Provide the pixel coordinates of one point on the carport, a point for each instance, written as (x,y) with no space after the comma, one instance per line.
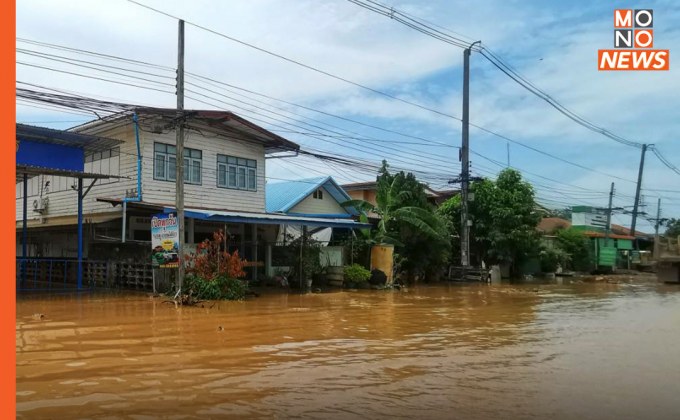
(45,151)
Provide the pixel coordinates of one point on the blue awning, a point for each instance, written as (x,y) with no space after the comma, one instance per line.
(268,218)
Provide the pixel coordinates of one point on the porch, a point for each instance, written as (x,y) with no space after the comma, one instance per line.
(121,259)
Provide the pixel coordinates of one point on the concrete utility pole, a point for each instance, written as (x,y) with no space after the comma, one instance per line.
(508,147)
(637,192)
(465,161)
(656,229)
(179,158)
(609,216)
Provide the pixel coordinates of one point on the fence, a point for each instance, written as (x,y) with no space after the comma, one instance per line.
(51,274)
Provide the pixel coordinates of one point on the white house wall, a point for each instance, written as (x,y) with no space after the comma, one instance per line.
(208,194)
(311,205)
(63,198)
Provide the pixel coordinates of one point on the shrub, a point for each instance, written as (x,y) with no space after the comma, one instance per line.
(211,261)
(202,289)
(220,287)
(213,273)
(552,257)
(356,274)
(233,289)
(579,248)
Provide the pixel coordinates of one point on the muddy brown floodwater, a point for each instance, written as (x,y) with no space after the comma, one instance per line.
(600,351)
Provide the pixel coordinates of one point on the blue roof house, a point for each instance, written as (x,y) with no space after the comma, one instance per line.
(314,197)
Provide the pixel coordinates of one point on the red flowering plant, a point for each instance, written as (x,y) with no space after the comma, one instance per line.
(214,273)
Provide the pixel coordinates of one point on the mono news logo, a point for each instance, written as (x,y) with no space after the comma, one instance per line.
(633,43)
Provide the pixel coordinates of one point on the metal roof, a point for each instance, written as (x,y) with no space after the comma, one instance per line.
(267,218)
(32,171)
(246,217)
(220,123)
(87,142)
(283,196)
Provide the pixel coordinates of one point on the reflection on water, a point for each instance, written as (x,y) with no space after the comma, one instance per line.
(459,351)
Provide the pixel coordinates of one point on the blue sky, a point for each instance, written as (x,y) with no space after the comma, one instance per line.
(554,44)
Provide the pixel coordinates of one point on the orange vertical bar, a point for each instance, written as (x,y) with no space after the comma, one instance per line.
(7,215)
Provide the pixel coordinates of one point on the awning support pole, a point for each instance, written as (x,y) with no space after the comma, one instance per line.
(24,231)
(255,257)
(80,233)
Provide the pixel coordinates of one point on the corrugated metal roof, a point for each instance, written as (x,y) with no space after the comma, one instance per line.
(32,171)
(267,219)
(88,143)
(220,123)
(283,196)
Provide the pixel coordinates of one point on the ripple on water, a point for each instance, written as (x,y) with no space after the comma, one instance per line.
(76,364)
(437,352)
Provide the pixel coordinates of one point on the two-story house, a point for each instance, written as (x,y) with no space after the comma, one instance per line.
(224,187)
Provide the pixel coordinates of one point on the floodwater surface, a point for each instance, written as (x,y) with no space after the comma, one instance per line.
(600,351)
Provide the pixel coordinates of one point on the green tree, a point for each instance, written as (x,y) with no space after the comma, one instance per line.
(449,212)
(673,228)
(407,221)
(578,247)
(503,218)
(400,199)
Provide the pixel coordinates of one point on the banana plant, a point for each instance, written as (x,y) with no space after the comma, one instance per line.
(388,199)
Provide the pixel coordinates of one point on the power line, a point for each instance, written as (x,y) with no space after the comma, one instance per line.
(94,54)
(318,134)
(404,19)
(91,77)
(663,160)
(290,60)
(493,133)
(69,60)
(516,77)
(496,61)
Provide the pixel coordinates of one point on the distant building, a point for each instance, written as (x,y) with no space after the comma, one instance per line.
(613,248)
(367,191)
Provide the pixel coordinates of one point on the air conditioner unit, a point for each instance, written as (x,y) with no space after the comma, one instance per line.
(40,205)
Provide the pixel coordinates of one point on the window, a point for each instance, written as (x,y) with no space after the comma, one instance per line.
(105,162)
(318,194)
(165,163)
(236,173)
(192,166)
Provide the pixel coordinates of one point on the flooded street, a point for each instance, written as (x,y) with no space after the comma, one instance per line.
(446,351)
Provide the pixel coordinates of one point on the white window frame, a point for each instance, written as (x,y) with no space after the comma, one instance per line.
(161,154)
(237,173)
(192,158)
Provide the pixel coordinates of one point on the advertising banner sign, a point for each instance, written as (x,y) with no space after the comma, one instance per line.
(165,240)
